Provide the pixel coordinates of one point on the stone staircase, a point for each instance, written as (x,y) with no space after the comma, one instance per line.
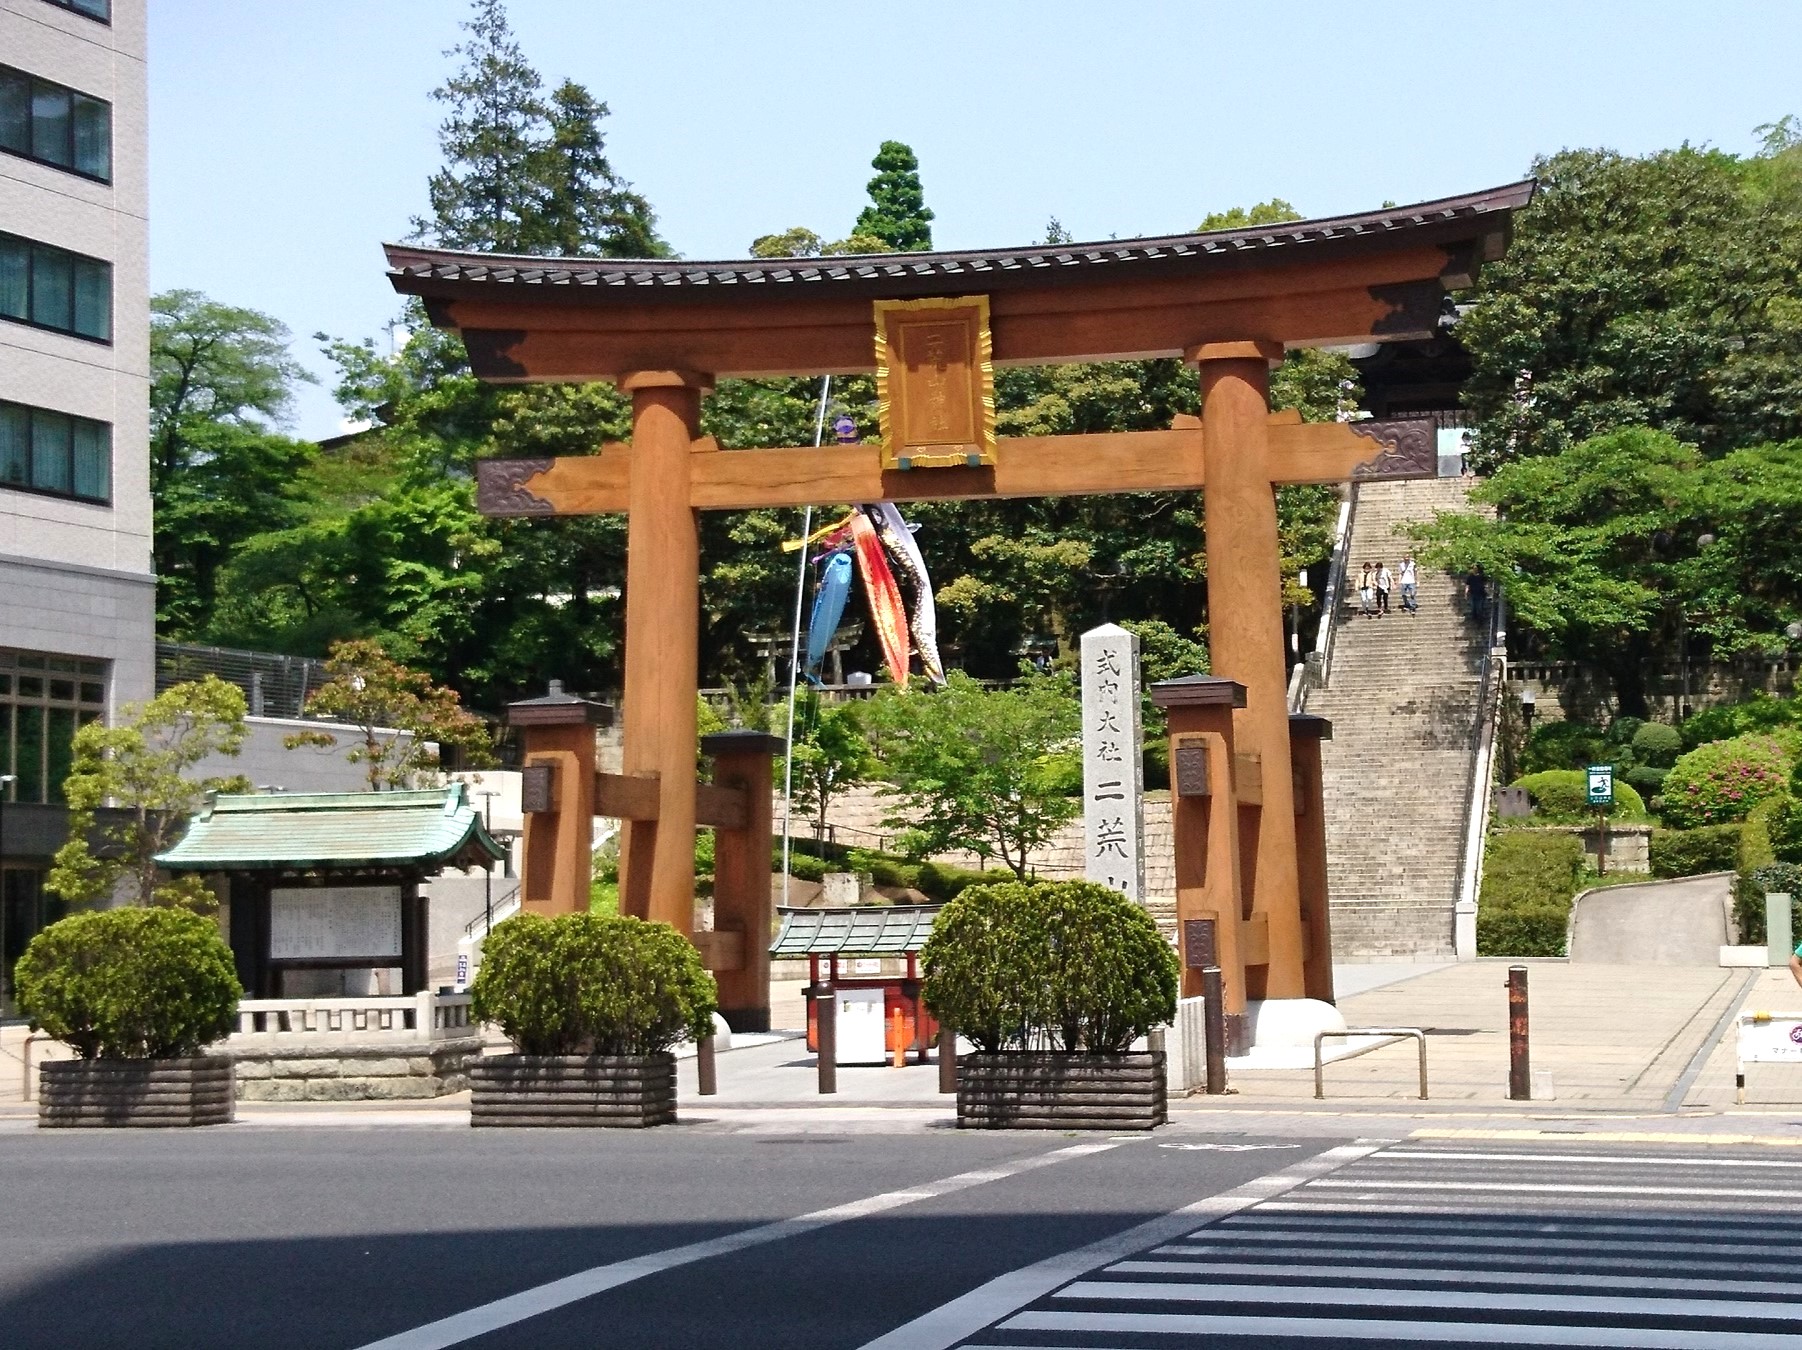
(1403,695)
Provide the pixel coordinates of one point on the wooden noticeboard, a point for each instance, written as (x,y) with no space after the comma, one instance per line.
(335,923)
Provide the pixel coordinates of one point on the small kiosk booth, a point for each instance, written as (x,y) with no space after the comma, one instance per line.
(330,880)
(878,1016)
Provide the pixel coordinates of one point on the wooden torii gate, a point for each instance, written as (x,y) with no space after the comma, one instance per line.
(931,325)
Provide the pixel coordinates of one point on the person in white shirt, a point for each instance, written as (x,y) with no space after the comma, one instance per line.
(1410,585)
(1385,583)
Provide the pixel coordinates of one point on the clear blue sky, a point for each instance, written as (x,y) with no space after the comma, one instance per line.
(288,140)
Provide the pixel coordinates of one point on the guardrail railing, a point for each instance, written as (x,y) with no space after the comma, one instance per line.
(1391,1035)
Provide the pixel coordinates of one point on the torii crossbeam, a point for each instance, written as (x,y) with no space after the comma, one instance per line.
(1229,302)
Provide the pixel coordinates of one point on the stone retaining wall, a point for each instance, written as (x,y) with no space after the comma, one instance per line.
(373,1071)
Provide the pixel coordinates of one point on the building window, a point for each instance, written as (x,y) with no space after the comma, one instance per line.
(52,452)
(55,125)
(50,287)
(26,909)
(93,9)
(43,700)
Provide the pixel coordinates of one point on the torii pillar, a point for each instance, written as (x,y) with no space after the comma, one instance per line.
(663,613)
(1245,636)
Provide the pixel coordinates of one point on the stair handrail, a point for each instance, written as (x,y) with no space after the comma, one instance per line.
(1321,659)
(503,907)
(1478,806)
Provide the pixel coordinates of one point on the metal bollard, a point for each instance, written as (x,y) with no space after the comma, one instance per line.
(1214,1017)
(1520,1077)
(947,1059)
(825,1003)
(708,1080)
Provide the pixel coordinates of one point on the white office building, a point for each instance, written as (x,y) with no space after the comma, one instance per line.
(77,595)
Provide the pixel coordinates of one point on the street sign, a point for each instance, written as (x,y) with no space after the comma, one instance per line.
(1601,784)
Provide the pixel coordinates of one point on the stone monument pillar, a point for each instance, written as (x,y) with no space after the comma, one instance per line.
(1113,775)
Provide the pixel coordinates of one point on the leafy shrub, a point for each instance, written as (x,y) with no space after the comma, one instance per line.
(1657,745)
(1689,853)
(942,881)
(1529,878)
(130,983)
(1622,730)
(1065,965)
(589,984)
(1782,817)
(1749,892)
(1759,713)
(1723,780)
(884,870)
(1561,797)
(1646,780)
(803,866)
(1561,745)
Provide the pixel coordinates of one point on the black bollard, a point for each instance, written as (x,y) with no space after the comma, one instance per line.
(708,1082)
(1213,1014)
(1520,1077)
(825,1003)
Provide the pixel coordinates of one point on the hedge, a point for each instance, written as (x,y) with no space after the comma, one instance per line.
(1722,781)
(1529,879)
(1749,891)
(1063,965)
(1688,853)
(589,984)
(130,983)
(1561,797)
(1656,745)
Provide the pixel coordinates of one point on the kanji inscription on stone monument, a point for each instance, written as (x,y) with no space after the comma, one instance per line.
(1113,781)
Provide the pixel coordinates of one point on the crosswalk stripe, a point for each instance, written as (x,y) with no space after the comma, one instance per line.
(1563,1188)
(1600,1159)
(1296,1251)
(1420,1275)
(1454,1300)
(1560,1244)
(1359,1329)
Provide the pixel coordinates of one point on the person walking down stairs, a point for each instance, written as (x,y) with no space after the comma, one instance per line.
(1385,584)
(1367,593)
(1410,578)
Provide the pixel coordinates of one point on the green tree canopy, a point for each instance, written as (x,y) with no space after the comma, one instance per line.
(1658,291)
(141,766)
(897,213)
(979,770)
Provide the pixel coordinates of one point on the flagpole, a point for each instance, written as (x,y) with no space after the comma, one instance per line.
(794,647)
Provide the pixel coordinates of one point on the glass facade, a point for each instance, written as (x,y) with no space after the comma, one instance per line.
(26,908)
(52,452)
(55,125)
(43,700)
(50,287)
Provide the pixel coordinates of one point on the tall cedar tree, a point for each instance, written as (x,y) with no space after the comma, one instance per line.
(897,213)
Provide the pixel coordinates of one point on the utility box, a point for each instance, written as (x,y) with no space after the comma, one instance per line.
(862,1026)
(1779,938)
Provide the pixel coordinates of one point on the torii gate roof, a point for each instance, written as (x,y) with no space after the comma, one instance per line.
(1376,275)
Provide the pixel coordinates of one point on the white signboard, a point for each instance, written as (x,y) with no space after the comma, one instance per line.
(322,922)
(1113,779)
(1770,1038)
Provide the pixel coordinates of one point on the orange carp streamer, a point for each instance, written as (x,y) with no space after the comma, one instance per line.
(884,596)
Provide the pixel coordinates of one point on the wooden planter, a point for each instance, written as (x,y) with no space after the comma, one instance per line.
(616,1091)
(1047,1090)
(141,1092)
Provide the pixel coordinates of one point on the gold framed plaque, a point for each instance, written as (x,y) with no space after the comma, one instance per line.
(935,382)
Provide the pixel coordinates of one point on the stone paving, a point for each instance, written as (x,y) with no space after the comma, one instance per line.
(1639,1052)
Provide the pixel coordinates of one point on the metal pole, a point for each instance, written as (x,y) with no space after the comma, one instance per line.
(1213,1011)
(707,1080)
(825,1004)
(794,646)
(6,782)
(947,1059)
(1520,1077)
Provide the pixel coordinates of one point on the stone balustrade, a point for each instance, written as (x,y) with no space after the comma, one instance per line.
(353,1049)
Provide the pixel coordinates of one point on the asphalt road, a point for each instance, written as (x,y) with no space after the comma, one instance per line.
(416,1238)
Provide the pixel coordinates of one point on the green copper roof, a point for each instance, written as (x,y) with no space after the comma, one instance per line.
(893,930)
(334,830)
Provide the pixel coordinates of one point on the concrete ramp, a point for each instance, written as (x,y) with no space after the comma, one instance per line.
(1653,923)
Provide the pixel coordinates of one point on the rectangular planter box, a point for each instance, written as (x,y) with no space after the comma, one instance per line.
(136,1092)
(1043,1090)
(621,1092)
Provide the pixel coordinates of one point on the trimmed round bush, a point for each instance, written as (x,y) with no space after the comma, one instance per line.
(1065,965)
(1657,745)
(1561,797)
(593,984)
(1646,780)
(1722,781)
(130,983)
